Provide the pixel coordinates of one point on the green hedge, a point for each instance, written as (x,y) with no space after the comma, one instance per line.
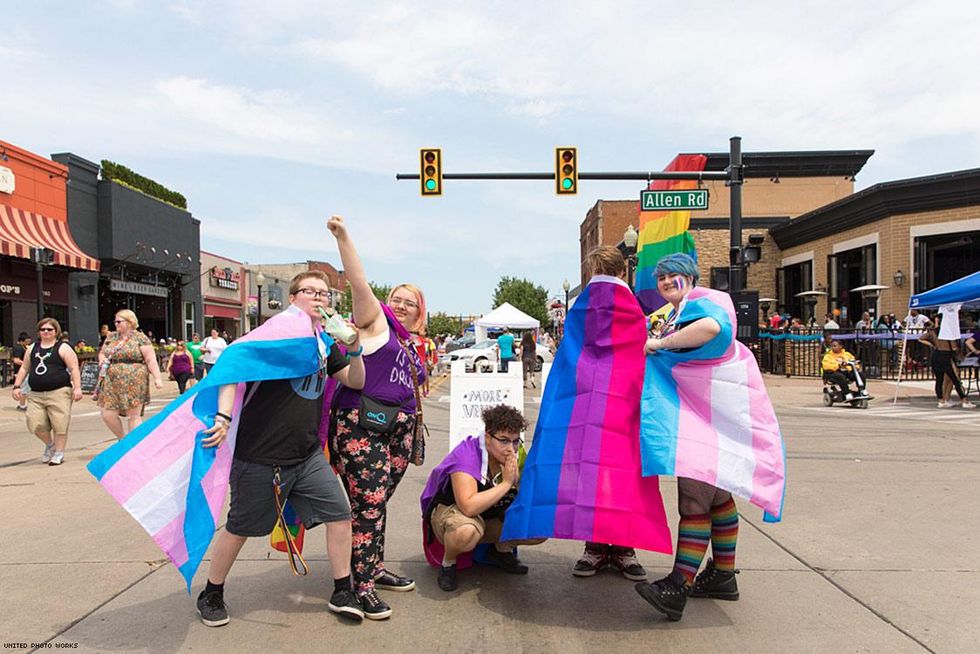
(126,176)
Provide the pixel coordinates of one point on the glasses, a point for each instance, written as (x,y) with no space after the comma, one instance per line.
(516,443)
(312,292)
(119,321)
(46,329)
(408,304)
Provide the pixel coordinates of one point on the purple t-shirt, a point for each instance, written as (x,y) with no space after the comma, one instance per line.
(388,377)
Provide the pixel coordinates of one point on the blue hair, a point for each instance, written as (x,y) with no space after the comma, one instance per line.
(678,264)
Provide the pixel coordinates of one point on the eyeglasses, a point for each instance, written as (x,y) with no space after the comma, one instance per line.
(312,292)
(408,304)
(46,329)
(516,443)
(119,320)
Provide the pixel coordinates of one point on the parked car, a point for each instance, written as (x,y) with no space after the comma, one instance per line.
(472,356)
(467,340)
(489,352)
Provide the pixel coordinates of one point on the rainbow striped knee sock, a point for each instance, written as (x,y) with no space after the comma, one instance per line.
(724,534)
(693,535)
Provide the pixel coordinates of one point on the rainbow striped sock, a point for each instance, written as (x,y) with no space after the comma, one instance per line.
(693,535)
(724,534)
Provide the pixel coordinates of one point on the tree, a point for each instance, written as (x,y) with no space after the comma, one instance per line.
(523,294)
(440,323)
(381,292)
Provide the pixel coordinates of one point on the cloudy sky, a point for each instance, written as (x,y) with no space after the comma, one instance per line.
(270,116)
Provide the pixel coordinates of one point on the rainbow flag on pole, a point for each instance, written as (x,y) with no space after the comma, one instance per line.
(664,232)
(582,479)
(161,474)
(706,413)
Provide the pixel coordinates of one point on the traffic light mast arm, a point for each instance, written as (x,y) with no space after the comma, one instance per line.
(608,176)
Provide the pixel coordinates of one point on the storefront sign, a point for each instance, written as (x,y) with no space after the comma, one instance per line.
(9,289)
(6,180)
(137,288)
(225,278)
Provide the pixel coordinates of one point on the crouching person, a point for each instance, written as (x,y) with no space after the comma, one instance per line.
(465,499)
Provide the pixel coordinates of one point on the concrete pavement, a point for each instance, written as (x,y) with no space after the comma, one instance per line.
(876,554)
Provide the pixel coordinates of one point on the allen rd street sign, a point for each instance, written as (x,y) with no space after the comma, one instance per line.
(696,199)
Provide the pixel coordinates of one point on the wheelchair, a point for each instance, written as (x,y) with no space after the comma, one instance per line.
(857,397)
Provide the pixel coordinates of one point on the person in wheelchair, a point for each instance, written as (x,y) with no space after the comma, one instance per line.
(840,368)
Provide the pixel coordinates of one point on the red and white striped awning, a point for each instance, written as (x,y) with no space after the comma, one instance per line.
(22,230)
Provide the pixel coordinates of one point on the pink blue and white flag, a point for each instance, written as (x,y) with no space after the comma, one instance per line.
(582,479)
(161,474)
(706,414)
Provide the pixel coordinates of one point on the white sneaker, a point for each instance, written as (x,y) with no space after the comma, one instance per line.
(48,451)
(946,405)
(57,459)
(966,404)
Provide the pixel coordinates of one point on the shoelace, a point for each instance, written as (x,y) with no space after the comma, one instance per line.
(372,598)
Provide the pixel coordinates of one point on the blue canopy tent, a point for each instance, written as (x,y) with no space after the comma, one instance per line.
(965,291)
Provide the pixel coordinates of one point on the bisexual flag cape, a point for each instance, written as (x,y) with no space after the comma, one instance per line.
(706,413)
(162,475)
(582,480)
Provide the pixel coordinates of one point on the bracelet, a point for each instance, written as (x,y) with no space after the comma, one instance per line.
(219,414)
(356,353)
(16,388)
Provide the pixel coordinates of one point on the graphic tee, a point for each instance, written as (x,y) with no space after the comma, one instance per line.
(195,350)
(280,422)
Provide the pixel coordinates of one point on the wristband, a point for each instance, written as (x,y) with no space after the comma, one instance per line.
(219,414)
(357,352)
(16,388)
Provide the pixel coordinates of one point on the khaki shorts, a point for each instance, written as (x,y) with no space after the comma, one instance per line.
(449,518)
(49,410)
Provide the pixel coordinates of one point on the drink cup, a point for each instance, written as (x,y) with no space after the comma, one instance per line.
(338,328)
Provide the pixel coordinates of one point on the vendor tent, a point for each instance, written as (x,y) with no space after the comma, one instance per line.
(506,315)
(965,290)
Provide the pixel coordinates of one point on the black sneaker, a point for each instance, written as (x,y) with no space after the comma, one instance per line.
(211,606)
(626,562)
(447,578)
(506,561)
(591,562)
(716,584)
(390,581)
(667,595)
(374,607)
(344,602)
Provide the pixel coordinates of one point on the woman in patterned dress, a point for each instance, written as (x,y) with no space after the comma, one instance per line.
(126,362)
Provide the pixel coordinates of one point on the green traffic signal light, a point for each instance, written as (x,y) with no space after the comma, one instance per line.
(566,183)
(430,184)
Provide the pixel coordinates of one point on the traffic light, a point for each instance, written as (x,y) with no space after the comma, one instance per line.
(431,167)
(566,171)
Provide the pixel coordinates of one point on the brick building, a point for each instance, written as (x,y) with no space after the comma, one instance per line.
(909,235)
(275,291)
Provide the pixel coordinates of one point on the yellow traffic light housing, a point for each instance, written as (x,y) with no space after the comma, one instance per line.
(431,171)
(566,171)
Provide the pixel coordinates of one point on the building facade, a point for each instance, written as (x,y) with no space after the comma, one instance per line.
(33,216)
(149,251)
(223,292)
(274,292)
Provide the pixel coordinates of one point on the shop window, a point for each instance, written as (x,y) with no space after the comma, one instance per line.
(943,258)
(188,320)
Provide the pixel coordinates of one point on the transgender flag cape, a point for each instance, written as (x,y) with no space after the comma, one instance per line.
(706,414)
(582,477)
(161,474)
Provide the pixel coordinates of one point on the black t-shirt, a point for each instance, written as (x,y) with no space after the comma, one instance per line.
(18,351)
(280,423)
(47,370)
(448,497)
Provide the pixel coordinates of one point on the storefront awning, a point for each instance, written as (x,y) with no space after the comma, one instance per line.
(218,311)
(22,230)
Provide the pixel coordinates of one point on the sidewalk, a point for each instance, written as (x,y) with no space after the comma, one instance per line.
(875,555)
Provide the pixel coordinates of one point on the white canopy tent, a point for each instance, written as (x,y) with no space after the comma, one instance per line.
(506,315)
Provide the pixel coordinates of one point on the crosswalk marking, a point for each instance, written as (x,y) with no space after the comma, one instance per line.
(904,412)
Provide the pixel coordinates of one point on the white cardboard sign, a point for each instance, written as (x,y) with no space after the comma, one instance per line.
(472,392)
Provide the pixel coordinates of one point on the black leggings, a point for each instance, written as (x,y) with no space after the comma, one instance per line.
(182,378)
(942,367)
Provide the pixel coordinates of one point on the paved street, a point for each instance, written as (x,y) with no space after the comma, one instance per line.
(876,554)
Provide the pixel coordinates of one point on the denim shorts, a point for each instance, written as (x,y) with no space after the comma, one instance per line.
(311,487)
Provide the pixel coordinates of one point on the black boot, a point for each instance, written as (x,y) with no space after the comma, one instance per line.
(667,595)
(716,584)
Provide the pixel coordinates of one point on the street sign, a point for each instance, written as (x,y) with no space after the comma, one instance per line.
(696,199)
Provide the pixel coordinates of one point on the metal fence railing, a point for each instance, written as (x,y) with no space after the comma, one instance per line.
(799,352)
